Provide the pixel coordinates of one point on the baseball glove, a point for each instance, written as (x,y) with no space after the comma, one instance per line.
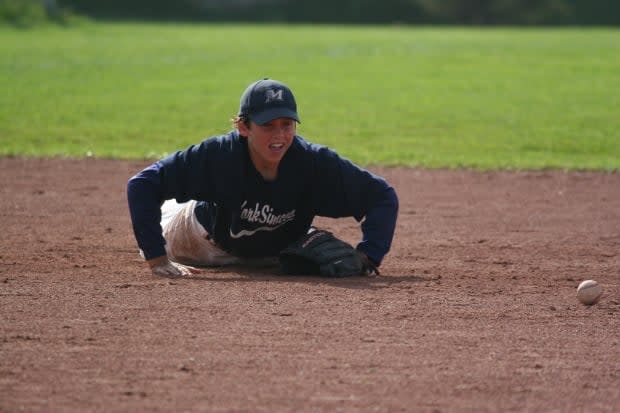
(321,253)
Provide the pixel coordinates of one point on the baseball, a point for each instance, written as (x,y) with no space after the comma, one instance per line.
(589,292)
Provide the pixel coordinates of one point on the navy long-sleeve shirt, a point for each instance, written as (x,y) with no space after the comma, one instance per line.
(251,217)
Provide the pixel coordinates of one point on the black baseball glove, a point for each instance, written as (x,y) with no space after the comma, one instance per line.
(321,253)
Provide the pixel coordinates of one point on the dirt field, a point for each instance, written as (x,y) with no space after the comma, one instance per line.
(475,310)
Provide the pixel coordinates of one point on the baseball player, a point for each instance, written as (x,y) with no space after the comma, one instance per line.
(242,197)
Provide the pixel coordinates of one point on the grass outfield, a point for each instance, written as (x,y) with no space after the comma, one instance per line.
(433,97)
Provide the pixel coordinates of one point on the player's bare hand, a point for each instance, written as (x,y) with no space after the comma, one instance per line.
(163,267)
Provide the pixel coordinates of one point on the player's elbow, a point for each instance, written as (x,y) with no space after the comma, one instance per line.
(134,186)
(391,200)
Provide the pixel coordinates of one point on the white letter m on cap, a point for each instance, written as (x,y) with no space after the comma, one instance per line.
(272,95)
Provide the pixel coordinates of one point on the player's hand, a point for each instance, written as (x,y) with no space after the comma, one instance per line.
(163,267)
(369,267)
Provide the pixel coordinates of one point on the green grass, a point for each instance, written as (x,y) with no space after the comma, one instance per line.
(433,97)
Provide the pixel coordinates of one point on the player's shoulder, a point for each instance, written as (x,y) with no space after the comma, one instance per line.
(314,150)
(229,142)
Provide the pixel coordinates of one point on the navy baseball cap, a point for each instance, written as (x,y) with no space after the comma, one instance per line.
(266,100)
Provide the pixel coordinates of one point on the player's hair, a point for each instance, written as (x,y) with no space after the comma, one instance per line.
(240,119)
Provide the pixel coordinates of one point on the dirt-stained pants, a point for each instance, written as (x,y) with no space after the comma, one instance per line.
(187,241)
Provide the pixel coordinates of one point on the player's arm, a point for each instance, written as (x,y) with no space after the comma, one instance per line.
(344,189)
(379,224)
(180,176)
(144,194)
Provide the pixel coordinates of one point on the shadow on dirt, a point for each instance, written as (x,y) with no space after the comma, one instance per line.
(237,275)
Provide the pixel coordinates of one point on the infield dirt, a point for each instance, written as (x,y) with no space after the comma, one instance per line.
(475,310)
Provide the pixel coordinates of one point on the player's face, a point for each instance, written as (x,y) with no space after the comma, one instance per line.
(269,142)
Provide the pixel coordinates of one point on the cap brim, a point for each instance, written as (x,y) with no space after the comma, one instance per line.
(274,113)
